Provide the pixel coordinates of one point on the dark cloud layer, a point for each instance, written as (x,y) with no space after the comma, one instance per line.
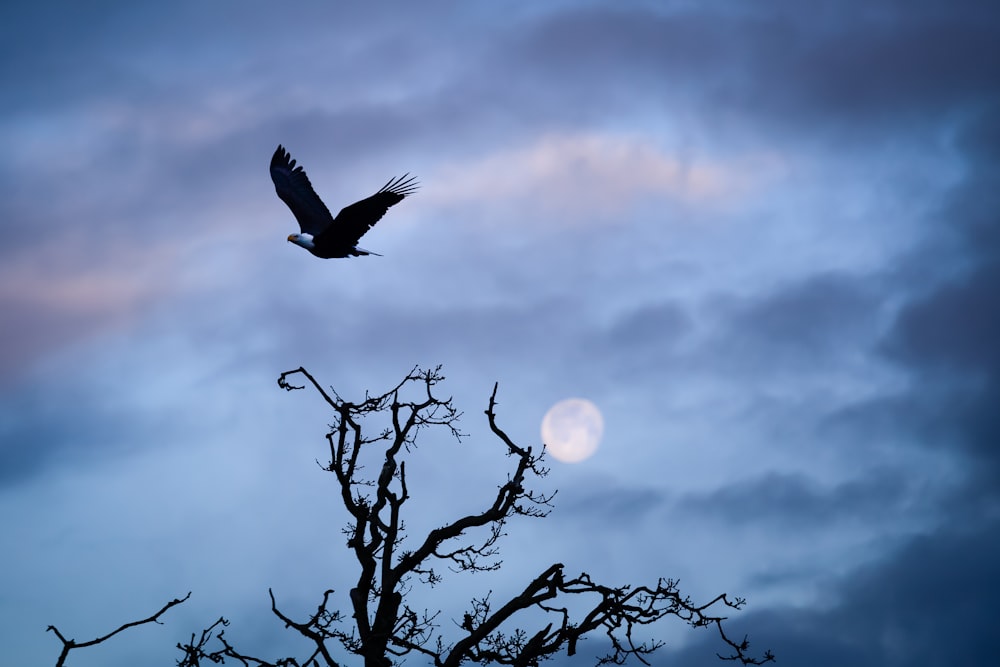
(927,604)
(798,503)
(802,323)
(948,337)
(859,71)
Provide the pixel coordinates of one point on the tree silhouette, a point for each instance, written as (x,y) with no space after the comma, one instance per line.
(382,628)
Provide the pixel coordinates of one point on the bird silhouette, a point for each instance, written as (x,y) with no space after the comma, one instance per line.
(322,234)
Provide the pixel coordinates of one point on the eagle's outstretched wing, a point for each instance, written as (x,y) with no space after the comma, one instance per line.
(294,188)
(355,220)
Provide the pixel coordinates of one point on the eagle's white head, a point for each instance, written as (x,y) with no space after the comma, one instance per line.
(303,240)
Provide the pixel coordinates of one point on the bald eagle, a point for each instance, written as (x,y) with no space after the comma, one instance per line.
(322,234)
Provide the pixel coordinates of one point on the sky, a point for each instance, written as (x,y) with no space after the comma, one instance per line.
(763,239)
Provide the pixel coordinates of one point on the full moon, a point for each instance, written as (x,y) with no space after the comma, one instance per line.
(572,429)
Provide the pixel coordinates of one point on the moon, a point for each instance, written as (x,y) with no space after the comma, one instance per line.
(572,429)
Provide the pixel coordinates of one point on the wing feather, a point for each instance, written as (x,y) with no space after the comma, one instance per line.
(294,188)
(355,220)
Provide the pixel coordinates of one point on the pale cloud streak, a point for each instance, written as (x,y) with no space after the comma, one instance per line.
(598,174)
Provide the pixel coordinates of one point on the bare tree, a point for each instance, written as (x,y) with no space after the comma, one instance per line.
(383,629)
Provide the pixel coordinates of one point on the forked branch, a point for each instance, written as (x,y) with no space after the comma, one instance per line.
(71,644)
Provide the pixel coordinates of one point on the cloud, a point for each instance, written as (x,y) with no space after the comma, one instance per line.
(797,502)
(955,328)
(946,338)
(593,174)
(656,326)
(815,75)
(57,294)
(926,604)
(925,601)
(825,317)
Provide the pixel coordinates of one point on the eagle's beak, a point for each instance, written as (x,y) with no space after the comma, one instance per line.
(291,237)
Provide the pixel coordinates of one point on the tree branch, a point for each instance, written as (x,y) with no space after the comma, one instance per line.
(70,644)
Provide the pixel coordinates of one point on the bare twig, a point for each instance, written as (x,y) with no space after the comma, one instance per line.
(70,644)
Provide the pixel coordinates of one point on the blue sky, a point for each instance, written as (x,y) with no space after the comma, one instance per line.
(762,238)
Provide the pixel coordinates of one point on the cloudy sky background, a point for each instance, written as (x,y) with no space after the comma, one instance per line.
(763,239)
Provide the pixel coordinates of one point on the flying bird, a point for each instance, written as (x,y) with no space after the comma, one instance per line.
(321,233)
